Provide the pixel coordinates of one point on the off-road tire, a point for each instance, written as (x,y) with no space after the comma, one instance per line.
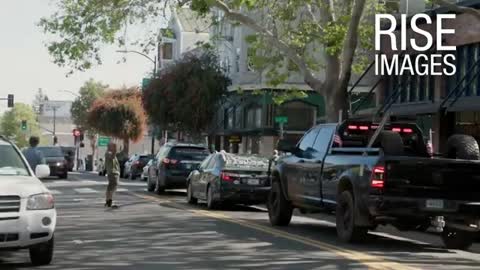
(347,231)
(280,210)
(462,147)
(391,143)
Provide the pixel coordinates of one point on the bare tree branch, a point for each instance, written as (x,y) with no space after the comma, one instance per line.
(274,41)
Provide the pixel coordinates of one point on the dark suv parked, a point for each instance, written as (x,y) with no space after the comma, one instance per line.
(173,164)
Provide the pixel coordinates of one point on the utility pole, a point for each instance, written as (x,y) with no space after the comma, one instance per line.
(154,61)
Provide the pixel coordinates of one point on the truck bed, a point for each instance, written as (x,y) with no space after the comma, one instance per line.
(449,179)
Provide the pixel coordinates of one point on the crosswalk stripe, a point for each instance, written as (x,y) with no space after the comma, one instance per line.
(122,190)
(85,190)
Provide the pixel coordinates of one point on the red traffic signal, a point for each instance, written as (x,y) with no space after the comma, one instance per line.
(77,133)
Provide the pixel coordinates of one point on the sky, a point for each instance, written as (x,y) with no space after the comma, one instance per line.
(26,66)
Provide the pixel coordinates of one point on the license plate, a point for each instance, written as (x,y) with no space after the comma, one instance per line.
(434,204)
(253,182)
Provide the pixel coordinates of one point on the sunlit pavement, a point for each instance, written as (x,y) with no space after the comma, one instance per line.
(163,232)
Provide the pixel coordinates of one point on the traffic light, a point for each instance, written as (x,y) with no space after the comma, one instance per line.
(24,125)
(10,101)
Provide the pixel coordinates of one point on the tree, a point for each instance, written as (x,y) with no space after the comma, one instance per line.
(186,95)
(119,114)
(89,92)
(11,124)
(319,39)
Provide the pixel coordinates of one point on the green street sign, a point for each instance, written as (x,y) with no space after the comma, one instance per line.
(281,119)
(103,141)
(145,83)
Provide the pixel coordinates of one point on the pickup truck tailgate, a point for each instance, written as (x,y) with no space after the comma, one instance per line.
(432,178)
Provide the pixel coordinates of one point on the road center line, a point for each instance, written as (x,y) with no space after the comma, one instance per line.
(373,262)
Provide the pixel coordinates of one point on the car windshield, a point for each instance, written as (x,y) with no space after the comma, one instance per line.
(189,153)
(51,151)
(11,162)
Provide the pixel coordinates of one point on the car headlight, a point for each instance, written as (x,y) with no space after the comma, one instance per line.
(59,164)
(40,201)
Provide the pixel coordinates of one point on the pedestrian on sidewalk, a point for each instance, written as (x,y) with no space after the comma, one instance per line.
(113,173)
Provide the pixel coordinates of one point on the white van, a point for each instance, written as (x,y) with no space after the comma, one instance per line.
(27,212)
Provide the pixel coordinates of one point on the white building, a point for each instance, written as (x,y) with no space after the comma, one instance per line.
(185,31)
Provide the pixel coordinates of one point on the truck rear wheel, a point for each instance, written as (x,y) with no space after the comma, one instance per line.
(280,210)
(391,143)
(463,147)
(345,219)
(457,239)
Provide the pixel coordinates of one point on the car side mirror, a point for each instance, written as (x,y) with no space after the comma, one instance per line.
(286,146)
(42,171)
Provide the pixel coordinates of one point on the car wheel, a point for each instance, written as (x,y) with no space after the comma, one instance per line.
(211,203)
(42,254)
(190,198)
(64,176)
(280,210)
(457,239)
(345,219)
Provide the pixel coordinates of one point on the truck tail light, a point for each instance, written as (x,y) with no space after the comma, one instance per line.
(378,177)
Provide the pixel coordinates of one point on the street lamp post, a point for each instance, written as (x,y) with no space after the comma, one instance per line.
(154,61)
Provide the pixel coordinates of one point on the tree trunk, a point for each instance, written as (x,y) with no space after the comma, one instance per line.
(336,101)
(126,146)
(93,145)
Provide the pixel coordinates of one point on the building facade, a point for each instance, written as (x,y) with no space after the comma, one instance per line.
(441,105)
(185,31)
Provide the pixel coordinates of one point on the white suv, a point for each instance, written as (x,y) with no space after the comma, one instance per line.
(27,213)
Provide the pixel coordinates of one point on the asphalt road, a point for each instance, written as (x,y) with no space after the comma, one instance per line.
(164,232)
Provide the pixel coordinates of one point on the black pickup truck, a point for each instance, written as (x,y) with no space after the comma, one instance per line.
(394,181)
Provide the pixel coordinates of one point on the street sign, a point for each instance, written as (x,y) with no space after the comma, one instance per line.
(281,119)
(145,83)
(103,141)
(235,139)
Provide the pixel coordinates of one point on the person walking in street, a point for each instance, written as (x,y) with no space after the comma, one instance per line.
(33,155)
(113,173)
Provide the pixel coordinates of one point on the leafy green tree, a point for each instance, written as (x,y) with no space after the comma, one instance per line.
(186,95)
(12,122)
(317,39)
(89,92)
(119,114)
